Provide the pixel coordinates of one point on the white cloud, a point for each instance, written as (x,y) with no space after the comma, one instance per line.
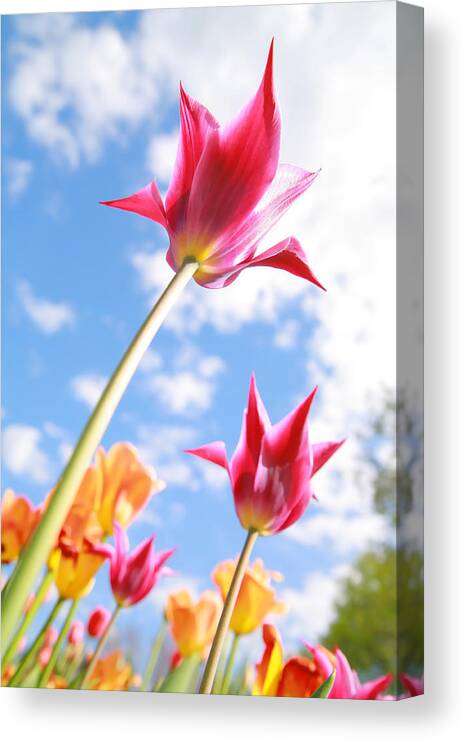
(151,361)
(161,156)
(311,606)
(87,388)
(286,334)
(48,316)
(340,533)
(23,454)
(259,295)
(162,446)
(18,175)
(189,387)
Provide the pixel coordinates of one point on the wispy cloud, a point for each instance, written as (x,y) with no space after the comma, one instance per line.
(161,155)
(18,175)
(23,454)
(88,387)
(50,317)
(311,605)
(188,387)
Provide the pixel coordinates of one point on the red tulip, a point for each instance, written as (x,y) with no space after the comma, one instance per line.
(98,621)
(346,683)
(132,575)
(227,191)
(271,468)
(76,633)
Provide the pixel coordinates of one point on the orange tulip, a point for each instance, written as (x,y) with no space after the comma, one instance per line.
(82,521)
(111,673)
(192,624)
(19,518)
(299,677)
(126,486)
(256,596)
(58,682)
(72,561)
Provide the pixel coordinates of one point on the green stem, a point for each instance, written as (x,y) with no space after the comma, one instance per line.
(154,655)
(50,666)
(99,648)
(45,535)
(225,619)
(219,677)
(32,651)
(230,665)
(74,663)
(28,618)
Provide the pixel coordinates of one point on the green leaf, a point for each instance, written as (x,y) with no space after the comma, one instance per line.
(325,688)
(182,679)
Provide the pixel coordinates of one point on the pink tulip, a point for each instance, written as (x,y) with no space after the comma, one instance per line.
(227,191)
(346,683)
(271,468)
(132,575)
(98,621)
(51,635)
(44,655)
(76,633)
(415,686)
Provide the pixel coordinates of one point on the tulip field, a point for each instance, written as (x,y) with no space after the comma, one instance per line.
(75,570)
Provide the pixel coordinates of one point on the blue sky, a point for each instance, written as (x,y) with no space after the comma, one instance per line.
(90,112)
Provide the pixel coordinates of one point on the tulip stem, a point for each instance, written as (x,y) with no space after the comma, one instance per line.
(230,665)
(35,646)
(154,655)
(50,666)
(99,648)
(28,618)
(36,552)
(225,618)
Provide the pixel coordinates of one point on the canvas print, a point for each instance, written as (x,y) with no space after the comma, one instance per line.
(212,438)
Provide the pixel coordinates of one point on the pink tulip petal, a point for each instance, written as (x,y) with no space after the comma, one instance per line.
(415,686)
(255,423)
(214,452)
(237,165)
(371,690)
(104,550)
(196,124)
(322,659)
(296,512)
(344,683)
(283,441)
(146,202)
(322,452)
(287,255)
(289,183)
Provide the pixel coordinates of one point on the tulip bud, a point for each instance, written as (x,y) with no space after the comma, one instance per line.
(98,621)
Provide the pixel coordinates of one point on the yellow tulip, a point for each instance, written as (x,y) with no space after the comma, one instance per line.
(19,518)
(192,624)
(74,570)
(126,486)
(256,597)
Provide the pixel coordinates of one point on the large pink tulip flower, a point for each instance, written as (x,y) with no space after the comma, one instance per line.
(132,574)
(271,468)
(227,190)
